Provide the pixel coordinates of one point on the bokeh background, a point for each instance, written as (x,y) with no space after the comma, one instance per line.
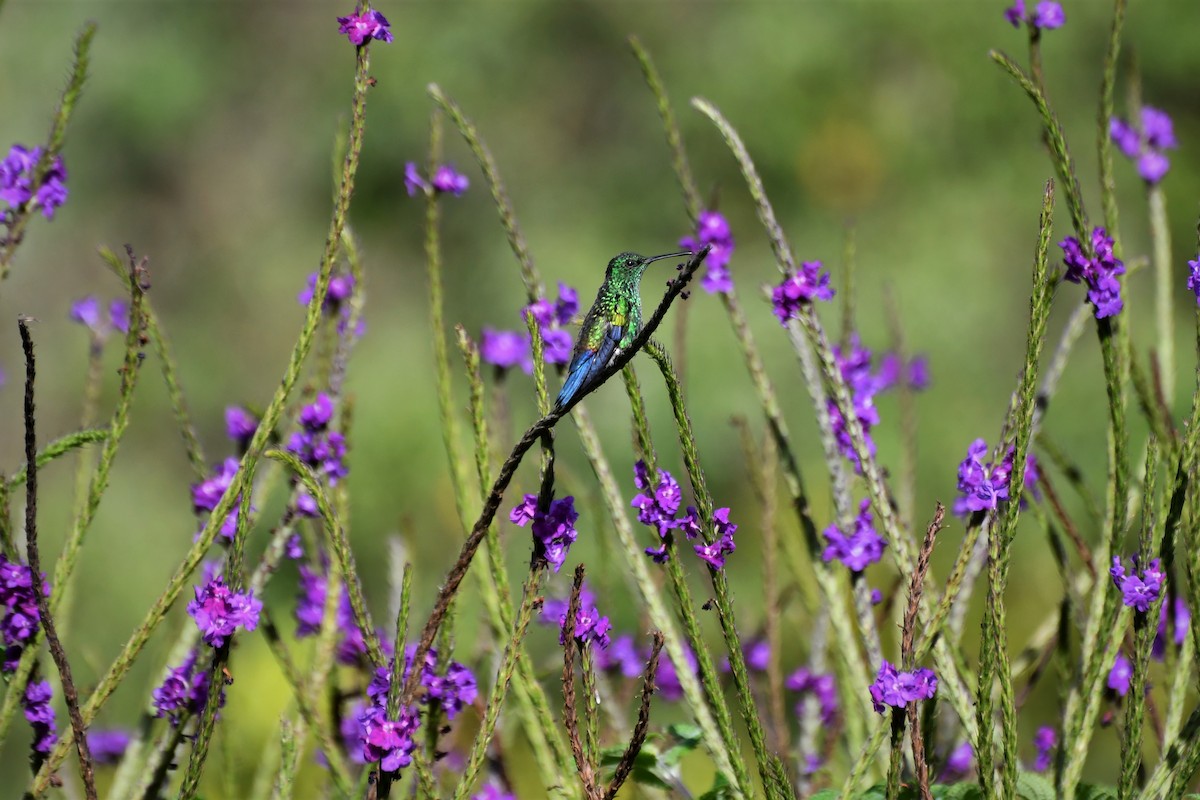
(204,138)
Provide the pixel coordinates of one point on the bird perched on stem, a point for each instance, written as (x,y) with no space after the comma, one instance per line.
(610,325)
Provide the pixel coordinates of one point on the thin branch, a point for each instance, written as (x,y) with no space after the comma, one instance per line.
(625,765)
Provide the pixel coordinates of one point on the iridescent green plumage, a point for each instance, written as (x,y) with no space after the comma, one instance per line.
(611,323)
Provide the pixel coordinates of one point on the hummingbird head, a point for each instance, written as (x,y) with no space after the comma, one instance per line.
(632,265)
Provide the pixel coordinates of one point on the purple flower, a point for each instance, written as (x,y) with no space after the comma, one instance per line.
(320,448)
(240,425)
(983,485)
(19,618)
(1146,146)
(1178,623)
(493,792)
(713,229)
(310,604)
(447,180)
(549,317)
(454,691)
(567,305)
(821,686)
(108,746)
(1046,16)
(621,656)
(341,288)
(1098,272)
(40,715)
(915,373)
(388,741)
(715,552)
(650,502)
(1138,591)
(898,689)
(183,691)
(1193,281)
(361,28)
(207,494)
(959,763)
(799,289)
(86,312)
(554,609)
(1045,740)
(876,597)
(590,627)
(413,180)
(118,314)
(667,677)
(218,611)
(553,532)
(1119,675)
(505,349)
(16,181)
(860,547)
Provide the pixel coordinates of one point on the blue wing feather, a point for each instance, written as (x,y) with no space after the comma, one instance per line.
(587,364)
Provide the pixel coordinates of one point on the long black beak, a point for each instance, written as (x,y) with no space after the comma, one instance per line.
(687,253)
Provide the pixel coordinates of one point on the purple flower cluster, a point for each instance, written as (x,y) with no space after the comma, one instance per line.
(715,552)
(821,686)
(1139,588)
(1193,280)
(40,714)
(854,362)
(1145,145)
(1045,740)
(493,792)
(756,652)
(108,746)
(387,741)
(183,691)
(310,610)
(505,349)
(897,689)
(19,617)
(590,626)
(207,494)
(1099,272)
(336,302)
(87,313)
(219,611)
(361,28)
(445,181)
(892,370)
(713,229)
(16,182)
(453,691)
(629,660)
(658,507)
(959,763)
(316,445)
(240,425)
(800,289)
(983,486)
(553,532)
(1120,674)
(1047,15)
(860,547)
(1171,627)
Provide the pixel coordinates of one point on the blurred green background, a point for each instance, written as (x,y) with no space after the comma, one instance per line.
(204,138)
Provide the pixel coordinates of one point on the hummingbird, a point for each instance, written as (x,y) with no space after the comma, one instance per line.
(611,324)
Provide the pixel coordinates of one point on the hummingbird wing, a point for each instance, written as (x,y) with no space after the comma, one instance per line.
(592,354)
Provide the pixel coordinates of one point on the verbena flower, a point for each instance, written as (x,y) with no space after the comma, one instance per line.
(713,229)
(799,289)
(590,628)
(86,311)
(822,686)
(448,181)
(1193,280)
(388,741)
(1145,145)
(854,363)
(1047,15)
(959,763)
(892,371)
(19,618)
(108,746)
(982,485)
(1045,740)
(667,678)
(337,300)
(859,547)
(493,792)
(897,689)
(361,27)
(310,612)
(183,691)
(553,532)
(240,425)
(622,656)
(454,691)
(1098,272)
(550,317)
(40,715)
(716,552)
(16,182)
(207,494)
(316,445)
(219,611)
(1171,627)
(505,349)
(1139,588)
(1119,675)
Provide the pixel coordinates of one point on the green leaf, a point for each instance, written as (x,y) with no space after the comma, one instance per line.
(721,790)
(686,734)
(1031,786)
(1091,791)
(957,791)
(826,794)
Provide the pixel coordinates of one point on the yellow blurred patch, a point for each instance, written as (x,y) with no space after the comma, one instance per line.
(840,166)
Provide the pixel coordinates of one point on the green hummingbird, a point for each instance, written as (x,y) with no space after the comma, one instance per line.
(610,325)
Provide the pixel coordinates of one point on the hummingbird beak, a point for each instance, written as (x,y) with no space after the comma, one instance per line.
(687,253)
